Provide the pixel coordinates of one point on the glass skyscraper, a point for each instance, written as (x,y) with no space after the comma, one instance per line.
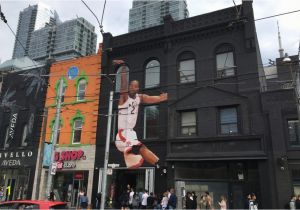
(30,19)
(148,13)
(72,38)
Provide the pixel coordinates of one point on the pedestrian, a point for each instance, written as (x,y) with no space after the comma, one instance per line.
(144,199)
(297,202)
(172,203)
(135,201)
(208,200)
(150,201)
(164,200)
(81,193)
(189,201)
(98,200)
(222,203)
(124,199)
(194,200)
(140,197)
(248,198)
(1,193)
(253,204)
(202,202)
(52,196)
(83,201)
(131,194)
(293,202)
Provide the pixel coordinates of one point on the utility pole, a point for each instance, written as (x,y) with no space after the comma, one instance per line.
(106,155)
(41,155)
(55,135)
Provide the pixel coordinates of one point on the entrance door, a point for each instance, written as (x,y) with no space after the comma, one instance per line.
(10,188)
(237,197)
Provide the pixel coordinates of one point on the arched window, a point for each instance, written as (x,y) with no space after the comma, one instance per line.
(225,61)
(186,67)
(118,77)
(152,74)
(81,88)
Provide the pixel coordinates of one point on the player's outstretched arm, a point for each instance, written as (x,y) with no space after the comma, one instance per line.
(124,82)
(146,99)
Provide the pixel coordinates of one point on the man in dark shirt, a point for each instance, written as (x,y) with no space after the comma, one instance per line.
(172,200)
(150,201)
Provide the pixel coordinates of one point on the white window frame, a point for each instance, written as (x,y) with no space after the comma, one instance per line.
(183,78)
(81,82)
(75,129)
(152,68)
(190,126)
(145,122)
(224,70)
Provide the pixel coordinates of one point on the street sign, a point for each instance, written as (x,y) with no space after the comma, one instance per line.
(53,168)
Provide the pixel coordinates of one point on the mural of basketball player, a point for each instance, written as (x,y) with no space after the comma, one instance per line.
(134,151)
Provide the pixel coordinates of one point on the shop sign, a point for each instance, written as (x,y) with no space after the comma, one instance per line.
(15,158)
(78,176)
(12,125)
(66,159)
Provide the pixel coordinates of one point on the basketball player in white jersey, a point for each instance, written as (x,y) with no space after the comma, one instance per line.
(135,152)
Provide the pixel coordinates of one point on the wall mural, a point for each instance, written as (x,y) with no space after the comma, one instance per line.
(127,142)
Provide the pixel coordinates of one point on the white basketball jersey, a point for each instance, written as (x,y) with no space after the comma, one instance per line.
(128,113)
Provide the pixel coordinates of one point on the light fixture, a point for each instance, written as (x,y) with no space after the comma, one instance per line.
(286,58)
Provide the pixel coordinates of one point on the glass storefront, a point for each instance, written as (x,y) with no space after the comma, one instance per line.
(15,183)
(230,179)
(67,185)
(117,181)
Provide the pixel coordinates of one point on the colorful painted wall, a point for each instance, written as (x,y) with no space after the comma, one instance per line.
(80,101)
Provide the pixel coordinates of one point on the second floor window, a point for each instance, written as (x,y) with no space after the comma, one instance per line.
(151,122)
(187,71)
(152,74)
(81,90)
(225,61)
(77,129)
(228,120)
(293,132)
(188,123)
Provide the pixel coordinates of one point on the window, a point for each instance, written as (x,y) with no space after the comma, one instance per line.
(6,143)
(151,122)
(228,120)
(293,132)
(118,78)
(225,61)
(24,136)
(188,123)
(81,90)
(77,128)
(187,71)
(152,74)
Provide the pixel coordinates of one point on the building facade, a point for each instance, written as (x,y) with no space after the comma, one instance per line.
(145,13)
(22,101)
(75,148)
(30,19)
(210,134)
(279,103)
(70,39)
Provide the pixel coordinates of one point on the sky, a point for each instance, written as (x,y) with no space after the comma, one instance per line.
(117,13)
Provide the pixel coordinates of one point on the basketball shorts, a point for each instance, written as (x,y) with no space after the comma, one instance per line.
(126,139)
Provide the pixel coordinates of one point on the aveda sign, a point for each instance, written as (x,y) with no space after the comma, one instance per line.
(12,125)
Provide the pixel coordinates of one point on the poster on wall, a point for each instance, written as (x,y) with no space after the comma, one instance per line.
(135,152)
